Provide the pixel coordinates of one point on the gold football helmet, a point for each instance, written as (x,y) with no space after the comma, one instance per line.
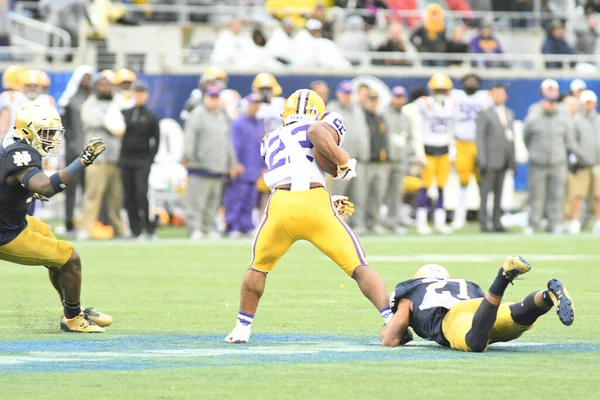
(431,271)
(40,126)
(303,104)
(440,81)
(266,85)
(124,75)
(211,75)
(11,78)
(32,83)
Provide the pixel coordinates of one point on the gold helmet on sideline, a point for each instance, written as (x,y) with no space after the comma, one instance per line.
(32,83)
(212,74)
(12,77)
(303,104)
(266,85)
(431,271)
(440,81)
(124,75)
(40,126)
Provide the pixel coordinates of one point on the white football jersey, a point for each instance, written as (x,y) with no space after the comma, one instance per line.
(468,109)
(45,99)
(270,114)
(437,121)
(290,156)
(14,101)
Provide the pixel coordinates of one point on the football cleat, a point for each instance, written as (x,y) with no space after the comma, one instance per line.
(565,308)
(97,317)
(239,334)
(80,323)
(514,266)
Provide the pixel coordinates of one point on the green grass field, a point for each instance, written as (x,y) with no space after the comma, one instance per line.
(314,335)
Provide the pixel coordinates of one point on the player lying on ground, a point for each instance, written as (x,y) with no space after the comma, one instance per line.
(301,209)
(26,240)
(456,313)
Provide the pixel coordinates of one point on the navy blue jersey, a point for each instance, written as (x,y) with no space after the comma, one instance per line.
(13,197)
(431,299)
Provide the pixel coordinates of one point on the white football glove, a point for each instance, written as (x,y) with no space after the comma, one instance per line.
(342,205)
(346,172)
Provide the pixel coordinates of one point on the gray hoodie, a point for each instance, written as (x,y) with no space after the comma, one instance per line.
(357,141)
(100,118)
(547,137)
(208,144)
(587,136)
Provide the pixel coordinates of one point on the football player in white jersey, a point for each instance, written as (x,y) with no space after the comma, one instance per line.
(470,101)
(265,85)
(12,99)
(45,97)
(437,114)
(301,209)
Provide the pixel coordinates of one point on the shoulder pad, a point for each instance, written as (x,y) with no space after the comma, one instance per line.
(334,120)
(20,155)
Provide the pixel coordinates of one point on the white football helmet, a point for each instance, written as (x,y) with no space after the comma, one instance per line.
(431,271)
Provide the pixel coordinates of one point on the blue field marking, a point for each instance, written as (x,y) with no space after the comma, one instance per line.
(165,352)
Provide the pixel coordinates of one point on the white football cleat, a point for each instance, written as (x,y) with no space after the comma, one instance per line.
(596,228)
(197,235)
(439,219)
(240,334)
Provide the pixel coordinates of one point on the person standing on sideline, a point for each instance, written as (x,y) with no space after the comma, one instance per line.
(356,143)
(401,141)
(102,119)
(548,136)
(140,145)
(78,89)
(378,168)
(241,196)
(495,154)
(209,157)
(585,177)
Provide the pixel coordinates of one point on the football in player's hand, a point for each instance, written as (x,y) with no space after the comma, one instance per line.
(326,164)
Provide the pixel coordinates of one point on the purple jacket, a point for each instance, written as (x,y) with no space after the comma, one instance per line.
(481,45)
(246,134)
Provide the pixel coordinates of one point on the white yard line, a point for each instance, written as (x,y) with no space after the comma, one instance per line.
(478,258)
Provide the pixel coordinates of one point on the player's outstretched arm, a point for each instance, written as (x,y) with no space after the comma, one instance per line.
(323,137)
(392,333)
(36,181)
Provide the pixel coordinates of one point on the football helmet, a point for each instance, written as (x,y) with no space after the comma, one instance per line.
(266,85)
(431,271)
(440,81)
(212,74)
(303,104)
(40,126)
(12,77)
(32,83)
(124,75)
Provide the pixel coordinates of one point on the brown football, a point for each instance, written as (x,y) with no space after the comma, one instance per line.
(326,164)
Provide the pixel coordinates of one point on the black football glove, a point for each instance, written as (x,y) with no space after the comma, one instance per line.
(91,151)
(407,337)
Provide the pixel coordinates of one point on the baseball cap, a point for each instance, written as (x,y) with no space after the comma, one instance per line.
(313,25)
(213,90)
(253,98)
(577,84)
(344,86)
(139,86)
(549,83)
(399,91)
(588,95)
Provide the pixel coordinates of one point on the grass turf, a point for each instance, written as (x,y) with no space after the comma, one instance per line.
(314,334)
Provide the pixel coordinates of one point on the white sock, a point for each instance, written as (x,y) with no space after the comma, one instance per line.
(244,319)
(421,216)
(460,214)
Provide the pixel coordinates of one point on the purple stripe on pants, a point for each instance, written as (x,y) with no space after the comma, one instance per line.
(355,241)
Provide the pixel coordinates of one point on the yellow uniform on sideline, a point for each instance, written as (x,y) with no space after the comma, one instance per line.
(301,213)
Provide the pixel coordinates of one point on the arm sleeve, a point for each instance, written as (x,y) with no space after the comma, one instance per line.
(335,121)
(191,130)
(20,157)
(480,136)
(155,138)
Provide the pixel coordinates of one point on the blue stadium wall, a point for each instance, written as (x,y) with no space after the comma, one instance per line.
(169,93)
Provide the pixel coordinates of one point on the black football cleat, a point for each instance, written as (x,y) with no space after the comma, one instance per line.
(565,308)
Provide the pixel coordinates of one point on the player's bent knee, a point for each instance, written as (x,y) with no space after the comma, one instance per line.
(74,261)
(476,343)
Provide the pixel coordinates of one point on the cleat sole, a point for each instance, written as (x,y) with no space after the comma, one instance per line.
(564,305)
